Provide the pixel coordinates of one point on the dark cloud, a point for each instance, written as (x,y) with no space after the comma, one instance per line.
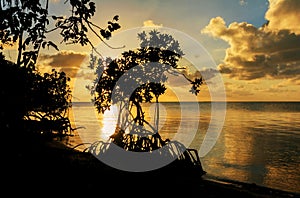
(67,61)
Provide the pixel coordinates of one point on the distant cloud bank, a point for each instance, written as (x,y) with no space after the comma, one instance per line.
(67,61)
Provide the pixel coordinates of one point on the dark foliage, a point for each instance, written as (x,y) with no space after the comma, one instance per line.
(38,102)
(138,76)
(34,102)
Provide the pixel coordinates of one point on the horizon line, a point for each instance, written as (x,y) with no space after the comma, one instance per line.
(206,101)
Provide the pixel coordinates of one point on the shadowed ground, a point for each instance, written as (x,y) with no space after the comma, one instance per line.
(52,169)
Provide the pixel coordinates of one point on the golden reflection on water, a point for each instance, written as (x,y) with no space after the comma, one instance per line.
(165,128)
(237,150)
(276,176)
(259,147)
(241,150)
(254,146)
(108,122)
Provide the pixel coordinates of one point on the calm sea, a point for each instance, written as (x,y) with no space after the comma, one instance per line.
(257,142)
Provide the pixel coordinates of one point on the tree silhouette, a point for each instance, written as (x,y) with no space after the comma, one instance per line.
(136,77)
(41,98)
(30,19)
(34,102)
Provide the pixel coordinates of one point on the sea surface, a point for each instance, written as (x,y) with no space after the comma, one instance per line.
(253,142)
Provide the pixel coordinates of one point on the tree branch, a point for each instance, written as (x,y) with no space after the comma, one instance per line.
(89,24)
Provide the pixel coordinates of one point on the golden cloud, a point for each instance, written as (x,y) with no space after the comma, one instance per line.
(259,52)
(150,23)
(284,14)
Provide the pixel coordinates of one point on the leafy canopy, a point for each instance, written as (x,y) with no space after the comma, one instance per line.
(137,76)
(42,96)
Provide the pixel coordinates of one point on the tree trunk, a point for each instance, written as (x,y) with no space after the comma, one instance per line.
(20,47)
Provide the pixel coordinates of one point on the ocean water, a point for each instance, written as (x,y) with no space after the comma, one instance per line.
(253,142)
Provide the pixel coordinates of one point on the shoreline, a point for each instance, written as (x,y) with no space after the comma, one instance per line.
(239,185)
(88,175)
(251,188)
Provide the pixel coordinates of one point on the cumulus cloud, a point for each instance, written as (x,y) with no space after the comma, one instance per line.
(284,14)
(150,23)
(67,61)
(260,52)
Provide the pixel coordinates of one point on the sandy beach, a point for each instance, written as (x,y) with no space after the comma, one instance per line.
(51,168)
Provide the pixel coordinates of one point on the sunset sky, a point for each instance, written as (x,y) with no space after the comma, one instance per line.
(254,43)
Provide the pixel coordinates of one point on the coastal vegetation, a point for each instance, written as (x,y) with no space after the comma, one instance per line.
(37,103)
(139,76)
